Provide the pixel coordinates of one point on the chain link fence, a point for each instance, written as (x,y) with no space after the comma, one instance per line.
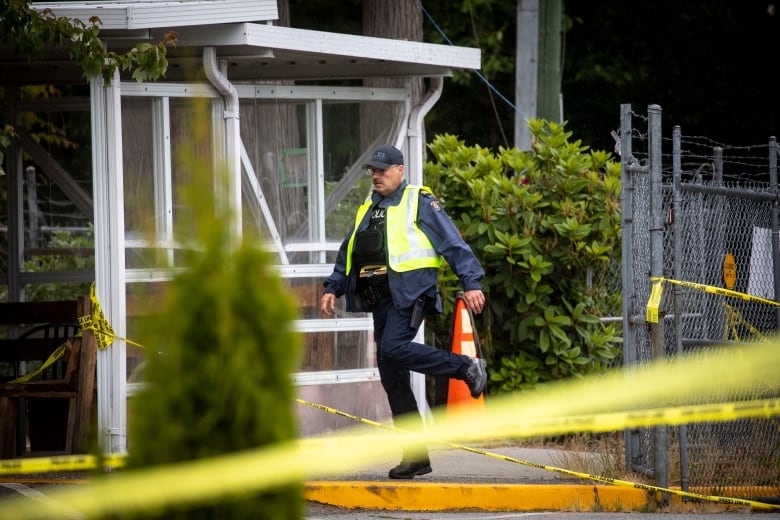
(702,212)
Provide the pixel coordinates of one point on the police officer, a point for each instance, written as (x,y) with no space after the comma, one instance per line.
(388,265)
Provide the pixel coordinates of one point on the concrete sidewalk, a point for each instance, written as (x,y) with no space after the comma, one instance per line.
(465,480)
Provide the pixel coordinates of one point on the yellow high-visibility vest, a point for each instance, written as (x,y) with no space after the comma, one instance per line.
(408,248)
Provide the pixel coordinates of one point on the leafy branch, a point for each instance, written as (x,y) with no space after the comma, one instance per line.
(30,32)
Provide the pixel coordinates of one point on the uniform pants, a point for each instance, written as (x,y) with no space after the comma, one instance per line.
(397,355)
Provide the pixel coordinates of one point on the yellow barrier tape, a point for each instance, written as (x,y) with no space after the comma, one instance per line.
(595,423)
(654,303)
(734,318)
(686,379)
(533,428)
(57,354)
(60,463)
(99,324)
(706,413)
(605,422)
(716,290)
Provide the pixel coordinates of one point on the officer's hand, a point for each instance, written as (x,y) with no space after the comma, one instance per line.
(475,300)
(328,303)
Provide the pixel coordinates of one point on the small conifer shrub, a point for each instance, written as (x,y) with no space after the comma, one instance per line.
(221,350)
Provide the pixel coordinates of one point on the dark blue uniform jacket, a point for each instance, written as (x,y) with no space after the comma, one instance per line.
(407,287)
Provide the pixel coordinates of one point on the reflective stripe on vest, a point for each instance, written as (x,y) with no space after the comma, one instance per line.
(408,248)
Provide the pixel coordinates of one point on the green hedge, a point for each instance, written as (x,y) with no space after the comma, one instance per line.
(545,224)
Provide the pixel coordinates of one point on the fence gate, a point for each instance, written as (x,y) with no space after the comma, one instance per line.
(702,212)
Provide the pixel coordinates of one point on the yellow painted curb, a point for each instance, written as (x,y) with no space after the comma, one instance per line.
(427,496)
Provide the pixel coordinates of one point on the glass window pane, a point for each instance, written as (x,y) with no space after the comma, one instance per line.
(346,350)
(58,233)
(280,199)
(139,170)
(330,350)
(274,136)
(348,137)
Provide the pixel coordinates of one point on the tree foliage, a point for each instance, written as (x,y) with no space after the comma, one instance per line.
(708,64)
(469,107)
(222,383)
(29,32)
(221,348)
(545,225)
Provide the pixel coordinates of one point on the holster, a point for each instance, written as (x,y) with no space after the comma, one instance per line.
(369,295)
(372,285)
(418,313)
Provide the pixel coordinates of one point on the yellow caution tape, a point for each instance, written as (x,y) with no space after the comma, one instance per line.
(60,463)
(633,394)
(99,324)
(57,354)
(716,290)
(595,423)
(734,318)
(654,303)
(605,422)
(611,422)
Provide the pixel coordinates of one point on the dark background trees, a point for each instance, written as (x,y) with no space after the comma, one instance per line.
(711,65)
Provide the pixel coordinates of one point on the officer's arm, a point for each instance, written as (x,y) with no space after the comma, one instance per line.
(336,283)
(448,242)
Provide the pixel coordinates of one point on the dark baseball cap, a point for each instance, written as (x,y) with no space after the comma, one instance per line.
(384,157)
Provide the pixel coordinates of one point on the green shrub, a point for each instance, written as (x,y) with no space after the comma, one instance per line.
(545,225)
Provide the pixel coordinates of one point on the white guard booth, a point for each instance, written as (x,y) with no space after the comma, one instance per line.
(295,122)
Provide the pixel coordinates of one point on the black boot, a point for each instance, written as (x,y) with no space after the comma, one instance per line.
(475,377)
(411,466)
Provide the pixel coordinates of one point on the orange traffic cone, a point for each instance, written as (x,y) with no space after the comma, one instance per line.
(463,342)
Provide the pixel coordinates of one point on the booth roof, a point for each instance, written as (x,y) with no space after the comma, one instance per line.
(242,33)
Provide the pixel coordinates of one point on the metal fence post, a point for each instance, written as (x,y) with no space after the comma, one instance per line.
(660,433)
(774,223)
(630,437)
(717,165)
(677,237)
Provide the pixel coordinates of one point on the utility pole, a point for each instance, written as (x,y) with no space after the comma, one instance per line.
(549,104)
(537,65)
(526,69)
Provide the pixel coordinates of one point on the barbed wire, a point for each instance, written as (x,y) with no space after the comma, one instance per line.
(702,157)
(713,143)
(643,117)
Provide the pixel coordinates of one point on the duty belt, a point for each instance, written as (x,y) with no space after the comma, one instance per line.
(369,271)
(372,284)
